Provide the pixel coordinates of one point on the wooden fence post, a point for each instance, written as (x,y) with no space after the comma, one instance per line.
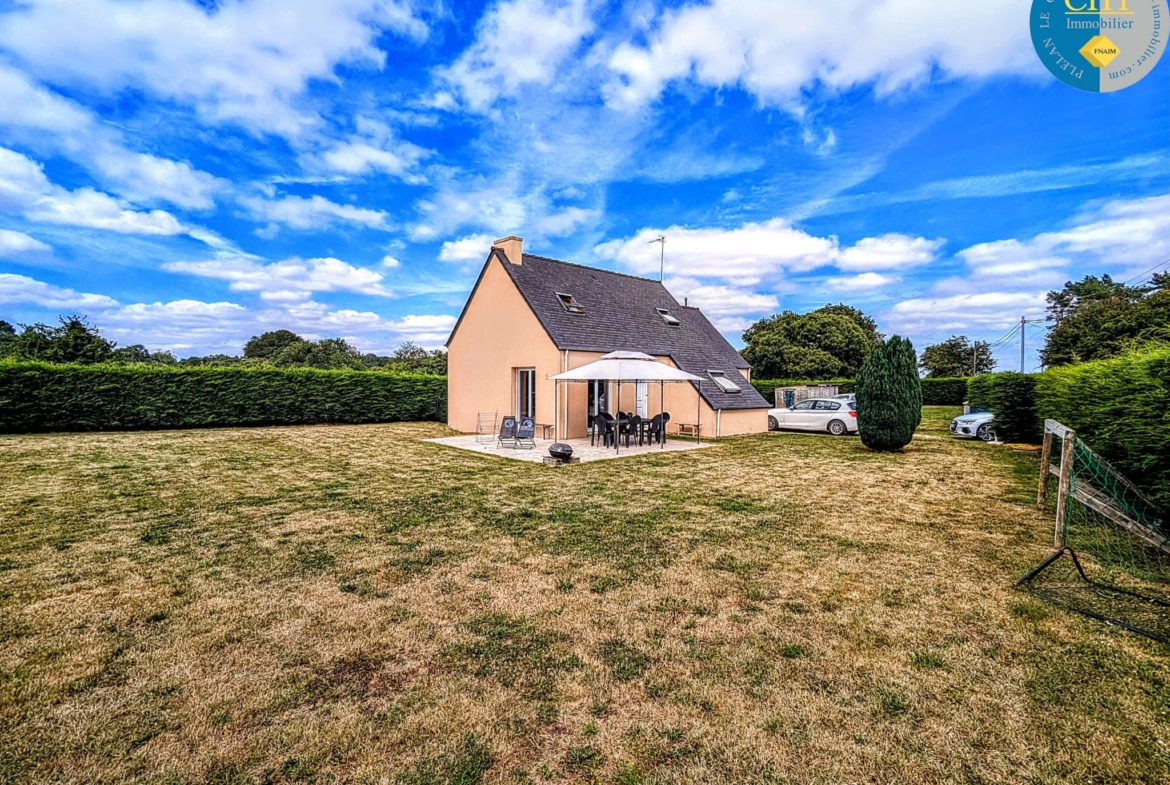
(1045,464)
(1066,460)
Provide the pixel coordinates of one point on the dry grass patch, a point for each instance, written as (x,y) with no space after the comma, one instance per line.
(348,604)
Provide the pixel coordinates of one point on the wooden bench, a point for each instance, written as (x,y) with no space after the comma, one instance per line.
(688,429)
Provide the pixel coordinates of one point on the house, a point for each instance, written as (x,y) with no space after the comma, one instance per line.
(530,317)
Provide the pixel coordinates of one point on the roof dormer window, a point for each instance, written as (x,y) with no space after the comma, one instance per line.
(725,384)
(569,304)
(667,317)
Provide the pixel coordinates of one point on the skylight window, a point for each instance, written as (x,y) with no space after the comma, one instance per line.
(569,304)
(666,317)
(725,384)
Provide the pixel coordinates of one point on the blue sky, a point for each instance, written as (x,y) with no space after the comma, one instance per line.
(189,174)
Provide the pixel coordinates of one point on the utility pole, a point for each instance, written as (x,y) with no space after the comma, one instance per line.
(662,254)
(1023,329)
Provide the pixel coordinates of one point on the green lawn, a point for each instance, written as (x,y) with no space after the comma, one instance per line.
(348,604)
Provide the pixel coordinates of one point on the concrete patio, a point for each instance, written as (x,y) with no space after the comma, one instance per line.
(581,448)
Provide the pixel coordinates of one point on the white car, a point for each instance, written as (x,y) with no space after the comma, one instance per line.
(979,425)
(816,414)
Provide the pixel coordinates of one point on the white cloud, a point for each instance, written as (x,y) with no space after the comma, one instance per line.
(566,221)
(78,134)
(243,62)
(25,189)
(1009,278)
(985,311)
(313,213)
(373,149)
(861,282)
(290,280)
(777,50)
(466,249)
(518,43)
(16,244)
(390,262)
(743,254)
(144,177)
(21,289)
(196,327)
(429,331)
(476,204)
(888,252)
(1119,235)
(728,308)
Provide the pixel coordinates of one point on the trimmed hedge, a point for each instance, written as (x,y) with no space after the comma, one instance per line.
(1012,397)
(935,392)
(944,392)
(1121,408)
(44,397)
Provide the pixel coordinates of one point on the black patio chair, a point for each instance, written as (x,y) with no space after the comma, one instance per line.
(654,431)
(526,435)
(632,427)
(507,437)
(603,427)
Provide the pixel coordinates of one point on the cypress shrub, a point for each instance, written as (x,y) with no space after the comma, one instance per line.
(44,397)
(889,396)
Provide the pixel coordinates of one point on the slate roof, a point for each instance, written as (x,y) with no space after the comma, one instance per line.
(619,316)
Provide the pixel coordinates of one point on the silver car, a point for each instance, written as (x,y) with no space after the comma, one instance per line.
(816,414)
(980,425)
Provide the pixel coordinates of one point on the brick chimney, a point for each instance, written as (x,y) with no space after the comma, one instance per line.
(513,248)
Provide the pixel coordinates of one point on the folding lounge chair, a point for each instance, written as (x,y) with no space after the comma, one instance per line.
(526,436)
(507,437)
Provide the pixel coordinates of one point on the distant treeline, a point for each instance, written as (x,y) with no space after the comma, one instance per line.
(74,341)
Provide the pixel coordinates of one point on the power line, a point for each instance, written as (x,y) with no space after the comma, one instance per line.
(1147,272)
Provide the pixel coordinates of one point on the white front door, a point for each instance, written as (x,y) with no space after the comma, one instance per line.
(643,395)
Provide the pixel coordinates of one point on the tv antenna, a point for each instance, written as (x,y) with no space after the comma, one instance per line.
(661,239)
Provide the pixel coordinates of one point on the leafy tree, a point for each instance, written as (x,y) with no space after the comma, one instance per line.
(829,342)
(131,355)
(329,354)
(1161,280)
(7,338)
(211,361)
(1105,328)
(1065,302)
(408,352)
(435,364)
(889,396)
(953,357)
(74,341)
(371,360)
(269,345)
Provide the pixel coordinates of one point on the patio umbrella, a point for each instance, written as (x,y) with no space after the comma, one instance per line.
(625,367)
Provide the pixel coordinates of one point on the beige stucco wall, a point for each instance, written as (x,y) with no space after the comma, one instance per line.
(499,333)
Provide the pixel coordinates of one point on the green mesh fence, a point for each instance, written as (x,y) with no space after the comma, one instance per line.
(1115,565)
